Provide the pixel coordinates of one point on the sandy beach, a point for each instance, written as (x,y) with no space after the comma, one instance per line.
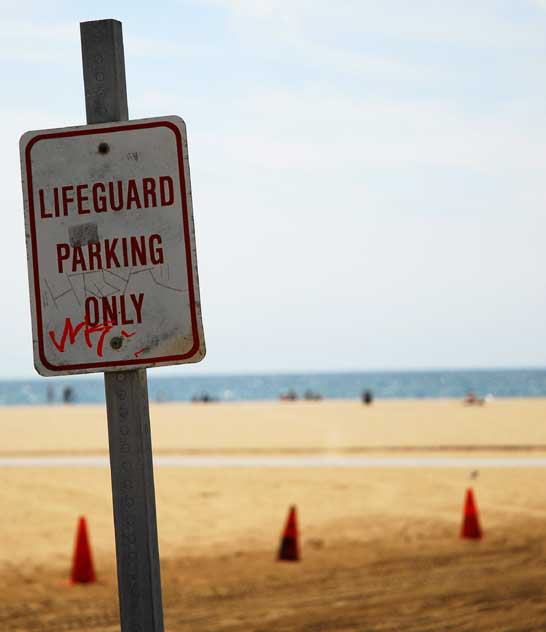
(380,547)
(277,427)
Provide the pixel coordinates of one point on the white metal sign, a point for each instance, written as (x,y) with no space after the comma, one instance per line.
(111,248)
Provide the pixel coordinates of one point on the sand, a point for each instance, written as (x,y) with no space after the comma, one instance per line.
(380,546)
(277,427)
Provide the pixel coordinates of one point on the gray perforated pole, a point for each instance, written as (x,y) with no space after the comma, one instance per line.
(139,582)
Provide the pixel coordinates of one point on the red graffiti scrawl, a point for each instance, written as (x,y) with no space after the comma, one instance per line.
(70,333)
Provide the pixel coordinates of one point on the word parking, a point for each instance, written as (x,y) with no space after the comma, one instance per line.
(119,252)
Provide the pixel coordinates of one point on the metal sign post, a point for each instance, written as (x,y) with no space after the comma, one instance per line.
(139,581)
(113,283)
(131,467)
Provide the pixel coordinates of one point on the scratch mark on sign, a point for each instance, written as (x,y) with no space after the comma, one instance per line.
(168,287)
(54,297)
(117,289)
(126,281)
(135,272)
(72,286)
(64,293)
(87,290)
(50,293)
(105,283)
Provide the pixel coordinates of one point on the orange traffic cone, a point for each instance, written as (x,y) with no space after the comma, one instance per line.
(471,526)
(82,562)
(289,549)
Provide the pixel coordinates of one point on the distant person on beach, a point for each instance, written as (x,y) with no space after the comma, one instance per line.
(290,396)
(204,398)
(470,399)
(367,397)
(50,394)
(311,396)
(68,395)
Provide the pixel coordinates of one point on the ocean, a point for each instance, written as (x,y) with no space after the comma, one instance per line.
(383,384)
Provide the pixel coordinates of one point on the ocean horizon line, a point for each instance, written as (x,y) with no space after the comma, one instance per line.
(400,384)
(282,372)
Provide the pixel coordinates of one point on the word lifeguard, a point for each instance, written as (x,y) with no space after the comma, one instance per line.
(102,197)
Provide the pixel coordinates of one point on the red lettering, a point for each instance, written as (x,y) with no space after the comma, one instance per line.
(94,256)
(100,197)
(118,252)
(109,310)
(166,190)
(43,213)
(124,252)
(93,330)
(148,187)
(138,249)
(78,259)
(137,300)
(56,202)
(156,252)
(80,199)
(116,206)
(100,344)
(99,202)
(63,250)
(124,319)
(132,195)
(91,303)
(68,332)
(66,198)
(109,254)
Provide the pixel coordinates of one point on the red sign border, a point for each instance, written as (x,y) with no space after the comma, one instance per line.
(189,262)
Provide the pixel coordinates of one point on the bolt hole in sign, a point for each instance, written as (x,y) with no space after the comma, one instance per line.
(111,247)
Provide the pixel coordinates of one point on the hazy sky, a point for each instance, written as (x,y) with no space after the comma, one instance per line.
(369,178)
